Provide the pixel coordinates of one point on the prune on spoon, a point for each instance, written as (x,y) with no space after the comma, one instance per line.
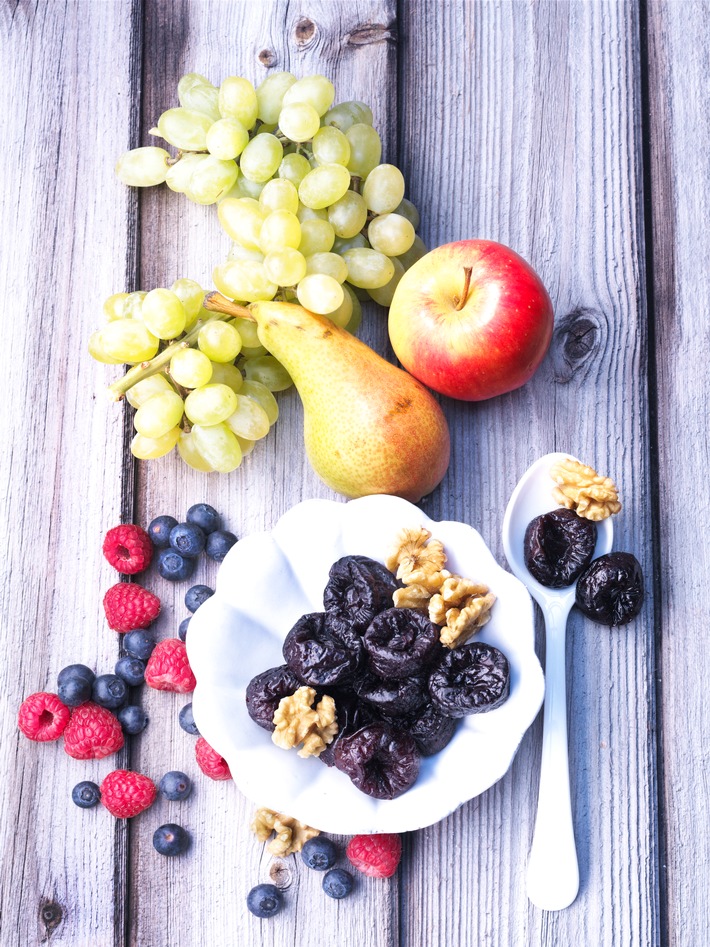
(381,762)
(266,690)
(394,698)
(400,642)
(432,730)
(351,715)
(558,546)
(471,679)
(610,590)
(315,655)
(358,589)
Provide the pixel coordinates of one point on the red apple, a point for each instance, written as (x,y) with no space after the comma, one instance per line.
(471,320)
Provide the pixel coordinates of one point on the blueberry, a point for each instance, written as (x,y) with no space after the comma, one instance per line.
(170,839)
(175,567)
(73,671)
(219,543)
(182,630)
(264,900)
(319,853)
(196,596)
(139,644)
(132,718)
(338,883)
(85,794)
(187,539)
(159,530)
(204,516)
(109,691)
(187,721)
(74,691)
(131,670)
(175,785)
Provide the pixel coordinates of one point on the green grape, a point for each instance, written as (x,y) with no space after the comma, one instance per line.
(237,99)
(211,180)
(317,91)
(261,158)
(149,448)
(391,234)
(256,352)
(320,293)
(219,341)
(185,128)
(197,93)
(246,445)
(227,138)
(299,121)
(248,419)
(416,252)
(270,372)
(285,267)
(368,269)
(348,215)
(324,185)
(96,350)
(330,146)
(406,209)
(317,236)
(242,218)
(133,305)
(164,314)
(294,168)
(340,245)
(263,397)
(249,332)
(365,149)
(114,306)
(384,189)
(139,393)
(128,340)
(343,314)
(187,449)
(179,174)
(267,129)
(347,114)
(143,167)
(238,252)
(331,264)
(280,229)
(159,414)
(309,213)
(210,404)
(270,95)
(279,194)
(384,294)
(246,188)
(191,295)
(356,317)
(218,446)
(243,279)
(190,368)
(225,374)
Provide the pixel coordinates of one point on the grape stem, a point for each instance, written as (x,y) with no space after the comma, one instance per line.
(461,301)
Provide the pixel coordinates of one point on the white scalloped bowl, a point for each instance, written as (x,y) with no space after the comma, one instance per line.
(266,582)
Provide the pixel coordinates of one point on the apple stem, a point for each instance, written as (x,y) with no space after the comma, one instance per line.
(461,301)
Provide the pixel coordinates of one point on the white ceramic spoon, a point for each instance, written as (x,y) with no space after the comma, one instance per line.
(553,872)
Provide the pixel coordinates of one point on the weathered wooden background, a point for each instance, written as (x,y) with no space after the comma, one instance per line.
(576,132)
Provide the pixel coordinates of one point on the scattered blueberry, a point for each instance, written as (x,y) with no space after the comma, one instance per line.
(187,539)
(175,567)
(139,644)
(338,883)
(85,794)
(182,630)
(73,671)
(204,516)
(196,596)
(264,900)
(219,543)
(319,853)
(131,670)
(109,691)
(132,718)
(170,839)
(74,691)
(175,785)
(159,530)
(187,721)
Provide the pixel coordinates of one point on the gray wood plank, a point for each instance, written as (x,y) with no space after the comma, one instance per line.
(68,81)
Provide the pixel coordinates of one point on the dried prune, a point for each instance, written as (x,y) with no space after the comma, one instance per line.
(432,730)
(266,690)
(358,589)
(394,698)
(315,655)
(558,546)
(610,590)
(351,715)
(380,761)
(400,642)
(470,680)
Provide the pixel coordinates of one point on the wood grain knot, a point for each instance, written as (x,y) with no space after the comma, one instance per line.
(371,33)
(267,57)
(50,915)
(280,874)
(304,31)
(575,341)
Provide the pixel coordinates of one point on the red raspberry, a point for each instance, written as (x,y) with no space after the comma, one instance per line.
(168,668)
(128,548)
(43,717)
(375,855)
(210,762)
(92,733)
(130,606)
(125,794)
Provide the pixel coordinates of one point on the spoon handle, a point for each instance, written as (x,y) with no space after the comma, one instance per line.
(553,872)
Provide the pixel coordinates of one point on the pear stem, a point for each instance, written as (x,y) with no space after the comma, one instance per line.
(461,301)
(216,302)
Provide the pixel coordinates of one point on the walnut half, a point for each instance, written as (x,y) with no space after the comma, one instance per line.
(580,488)
(290,833)
(297,722)
(461,607)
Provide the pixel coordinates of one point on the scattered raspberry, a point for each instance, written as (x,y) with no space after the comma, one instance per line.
(92,733)
(210,762)
(128,548)
(129,606)
(125,794)
(375,855)
(168,668)
(43,717)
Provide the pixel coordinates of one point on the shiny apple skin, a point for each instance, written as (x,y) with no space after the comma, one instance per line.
(494,344)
